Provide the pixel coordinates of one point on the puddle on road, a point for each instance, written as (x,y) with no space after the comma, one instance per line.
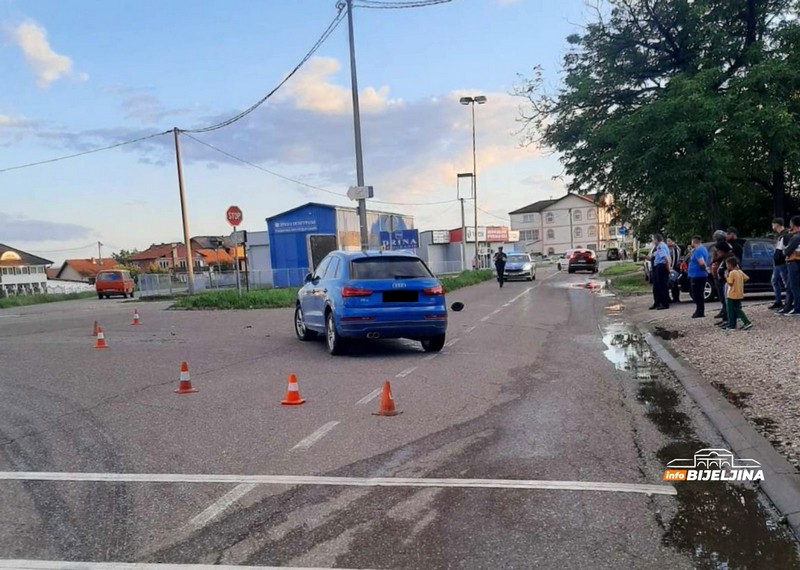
(719,525)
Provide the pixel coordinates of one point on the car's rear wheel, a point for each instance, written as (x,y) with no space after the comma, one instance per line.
(570,270)
(99,295)
(335,344)
(300,328)
(709,293)
(434,343)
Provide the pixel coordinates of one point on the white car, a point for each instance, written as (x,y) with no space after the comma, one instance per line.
(563,261)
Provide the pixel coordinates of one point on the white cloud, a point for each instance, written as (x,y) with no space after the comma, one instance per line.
(48,65)
(507,2)
(311,90)
(11,122)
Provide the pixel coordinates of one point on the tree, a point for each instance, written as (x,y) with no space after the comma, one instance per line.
(124,256)
(685,111)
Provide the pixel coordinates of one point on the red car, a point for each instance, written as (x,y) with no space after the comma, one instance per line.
(583,260)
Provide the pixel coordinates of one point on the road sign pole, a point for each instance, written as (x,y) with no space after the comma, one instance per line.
(236,262)
(362,202)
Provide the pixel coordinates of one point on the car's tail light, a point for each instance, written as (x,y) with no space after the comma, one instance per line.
(433,291)
(355,292)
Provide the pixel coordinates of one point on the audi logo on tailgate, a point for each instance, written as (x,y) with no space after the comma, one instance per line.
(398,285)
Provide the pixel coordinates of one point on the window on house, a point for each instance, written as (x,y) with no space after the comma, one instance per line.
(578,232)
(549,218)
(551,234)
(536,235)
(527,218)
(577,216)
(591,214)
(592,232)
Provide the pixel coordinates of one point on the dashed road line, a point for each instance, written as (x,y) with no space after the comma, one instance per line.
(307,442)
(405,372)
(452,342)
(369,397)
(470,329)
(430,357)
(221,505)
(496,311)
(532,484)
(486,318)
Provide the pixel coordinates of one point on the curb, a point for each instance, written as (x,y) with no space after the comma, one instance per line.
(781,482)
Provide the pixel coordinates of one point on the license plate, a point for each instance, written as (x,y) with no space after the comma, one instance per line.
(400,296)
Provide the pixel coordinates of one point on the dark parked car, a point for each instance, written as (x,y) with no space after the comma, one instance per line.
(756,263)
(583,260)
(612,254)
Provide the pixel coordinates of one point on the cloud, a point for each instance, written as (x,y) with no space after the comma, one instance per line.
(507,2)
(142,105)
(21,229)
(311,90)
(48,65)
(8,122)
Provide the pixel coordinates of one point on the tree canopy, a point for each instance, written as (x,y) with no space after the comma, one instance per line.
(685,111)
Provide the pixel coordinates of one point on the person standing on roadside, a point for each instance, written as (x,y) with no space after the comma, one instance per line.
(698,276)
(737,247)
(780,271)
(500,259)
(735,279)
(721,250)
(792,252)
(661,269)
(674,277)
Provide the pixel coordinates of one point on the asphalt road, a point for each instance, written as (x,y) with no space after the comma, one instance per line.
(527,389)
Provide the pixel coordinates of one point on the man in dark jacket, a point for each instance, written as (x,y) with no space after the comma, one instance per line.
(792,252)
(721,250)
(780,271)
(500,259)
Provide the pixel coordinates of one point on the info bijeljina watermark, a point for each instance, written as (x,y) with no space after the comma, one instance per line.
(713,465)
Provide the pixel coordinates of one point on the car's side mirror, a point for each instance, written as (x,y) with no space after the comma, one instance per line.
(309,277)
(457,306)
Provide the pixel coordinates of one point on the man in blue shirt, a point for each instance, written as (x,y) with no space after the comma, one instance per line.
(698,276)
(661,267)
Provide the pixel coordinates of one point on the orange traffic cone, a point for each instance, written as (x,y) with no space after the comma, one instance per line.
(94,331)
(292,393)
(136,319)
(185,384)
(387,402)
(100,340)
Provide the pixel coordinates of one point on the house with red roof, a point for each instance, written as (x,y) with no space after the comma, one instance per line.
(84,270)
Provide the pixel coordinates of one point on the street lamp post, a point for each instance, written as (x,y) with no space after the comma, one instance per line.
(463,223)
(480,100)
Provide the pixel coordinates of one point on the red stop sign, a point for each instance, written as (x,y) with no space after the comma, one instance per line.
(234,216)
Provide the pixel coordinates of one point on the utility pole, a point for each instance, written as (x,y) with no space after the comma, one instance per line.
(99,254)
(463,238)
(188,246)
(475,185)
(571,240)
(362,202)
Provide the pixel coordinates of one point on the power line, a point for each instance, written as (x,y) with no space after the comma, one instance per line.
(376,5)
(93,244)
(306,184)
(109,147)
(325,35)
(493,215)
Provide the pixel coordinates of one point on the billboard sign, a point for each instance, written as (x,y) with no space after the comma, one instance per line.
(471,233)
(403,239)
(440,236)
(497,234)
(513,236)
(297,226)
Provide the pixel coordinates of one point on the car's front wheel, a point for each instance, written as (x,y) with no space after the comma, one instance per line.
(300,328)
(433,344)
(709,292)
(336,344)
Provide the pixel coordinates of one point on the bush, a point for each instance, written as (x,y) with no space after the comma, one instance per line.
(466,279)
(622,269)
(24,300)
(228,299)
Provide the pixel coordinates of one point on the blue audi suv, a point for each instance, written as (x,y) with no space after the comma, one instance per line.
(370,295)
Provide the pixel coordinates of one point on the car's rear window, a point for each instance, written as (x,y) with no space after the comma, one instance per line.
(115,276)
(389,268)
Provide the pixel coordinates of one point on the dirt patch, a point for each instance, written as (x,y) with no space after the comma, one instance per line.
(666,334)
(738,399)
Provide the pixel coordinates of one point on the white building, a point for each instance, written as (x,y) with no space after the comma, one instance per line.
(550,227)
(22,273)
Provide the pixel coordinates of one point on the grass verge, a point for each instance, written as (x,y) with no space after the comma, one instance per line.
(25,300)
(466,279)
(622,269)
(261,299)
(630,284)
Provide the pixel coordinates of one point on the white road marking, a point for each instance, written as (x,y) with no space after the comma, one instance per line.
(304,444)
(430,357)
(369,397)
(406,372)
(496,311)
(452,342)
(507,304)
(221,504)
(64,565)
(338,481)
(469,329)
(486,318)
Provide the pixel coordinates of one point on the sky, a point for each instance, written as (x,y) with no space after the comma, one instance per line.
(85,74)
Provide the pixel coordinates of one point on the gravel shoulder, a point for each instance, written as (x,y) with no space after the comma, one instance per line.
(755,370)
